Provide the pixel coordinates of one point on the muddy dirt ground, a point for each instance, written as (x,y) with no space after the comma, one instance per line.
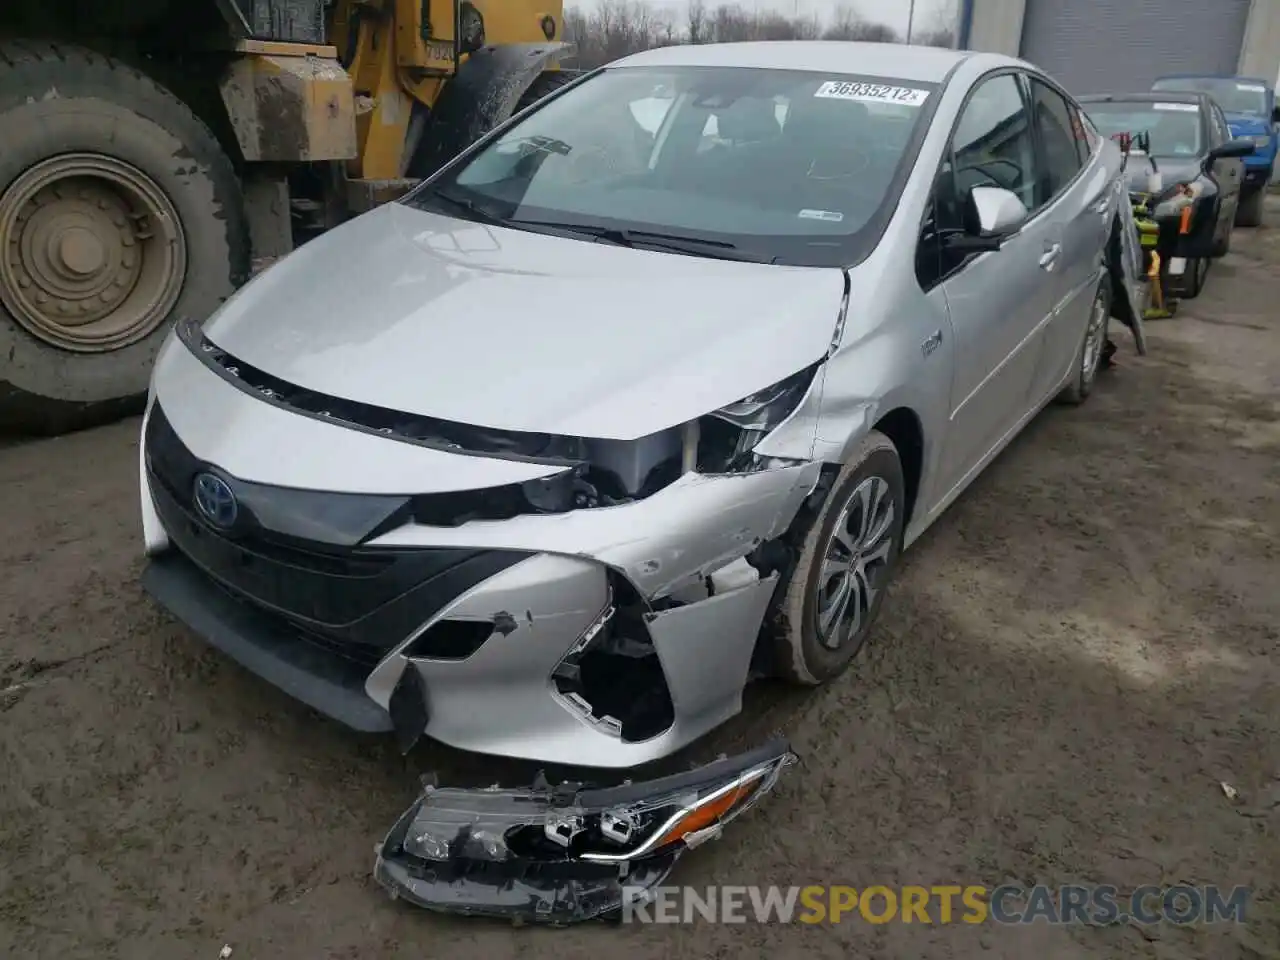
(1071,663)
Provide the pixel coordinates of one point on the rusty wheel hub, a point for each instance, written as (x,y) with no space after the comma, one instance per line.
(92,253)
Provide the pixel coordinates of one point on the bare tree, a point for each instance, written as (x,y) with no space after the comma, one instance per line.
(617,28)
(941,30)
(730,23)
(665,29)
(844,25)
(696,22)
(876,33)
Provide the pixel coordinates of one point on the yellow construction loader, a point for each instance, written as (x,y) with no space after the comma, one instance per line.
(154,152)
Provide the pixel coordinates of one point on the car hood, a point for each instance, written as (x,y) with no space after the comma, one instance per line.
(433,316)
(1171,170)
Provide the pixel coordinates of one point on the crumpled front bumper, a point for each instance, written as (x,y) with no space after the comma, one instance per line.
(662,582)
(567,853)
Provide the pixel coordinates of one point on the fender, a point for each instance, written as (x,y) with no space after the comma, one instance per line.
(482,94)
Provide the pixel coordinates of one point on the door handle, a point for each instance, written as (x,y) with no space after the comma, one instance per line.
(1049,259)
(1101,207)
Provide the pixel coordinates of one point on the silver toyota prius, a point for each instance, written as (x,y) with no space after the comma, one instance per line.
(639,398)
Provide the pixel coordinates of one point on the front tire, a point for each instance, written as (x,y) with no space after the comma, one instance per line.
(1193,281)
(1088,358)
(848,559)
(119,212)
(1249,212)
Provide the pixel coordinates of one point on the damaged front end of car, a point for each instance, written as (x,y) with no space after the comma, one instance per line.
(566,853)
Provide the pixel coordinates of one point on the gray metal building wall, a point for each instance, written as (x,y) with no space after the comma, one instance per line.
(1101,46)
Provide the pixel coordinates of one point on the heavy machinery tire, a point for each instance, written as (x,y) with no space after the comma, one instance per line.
(842,573)
(1249,213)
(119,212)
(545,84)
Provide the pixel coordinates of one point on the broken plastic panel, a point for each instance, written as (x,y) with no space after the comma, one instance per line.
(563,854)
(612,677)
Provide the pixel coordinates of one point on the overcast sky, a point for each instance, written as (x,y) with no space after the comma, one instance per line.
(891,12)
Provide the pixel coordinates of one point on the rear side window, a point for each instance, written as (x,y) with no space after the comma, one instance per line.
(1063,151)
(1085,136)
(1221,131)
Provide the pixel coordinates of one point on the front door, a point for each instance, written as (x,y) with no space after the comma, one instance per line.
(1228,172)
(997,300)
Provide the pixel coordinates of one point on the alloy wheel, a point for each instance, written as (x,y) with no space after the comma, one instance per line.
(1094,340)
(855,562)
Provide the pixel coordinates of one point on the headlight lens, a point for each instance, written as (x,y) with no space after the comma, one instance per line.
(765,409)
(1261,142)
(1175,198)
(725,438)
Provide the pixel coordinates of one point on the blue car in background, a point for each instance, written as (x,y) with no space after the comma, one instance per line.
(1250,107)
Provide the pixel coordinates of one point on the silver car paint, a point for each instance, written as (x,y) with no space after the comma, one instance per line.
(704,649)
(972,360)
(451,326)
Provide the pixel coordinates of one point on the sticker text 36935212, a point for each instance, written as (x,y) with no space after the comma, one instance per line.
(872,92)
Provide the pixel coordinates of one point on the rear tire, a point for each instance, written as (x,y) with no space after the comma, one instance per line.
(1249,212)
(119,212)
(1093,344)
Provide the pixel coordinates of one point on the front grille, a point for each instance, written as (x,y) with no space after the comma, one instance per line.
(354,601)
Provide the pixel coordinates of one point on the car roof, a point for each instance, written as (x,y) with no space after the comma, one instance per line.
(1147,96)
(1212,76)
(896,60)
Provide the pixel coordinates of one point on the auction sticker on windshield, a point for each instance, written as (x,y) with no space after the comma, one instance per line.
(872,92)
(832,216)
(1251,87)
(1178,107)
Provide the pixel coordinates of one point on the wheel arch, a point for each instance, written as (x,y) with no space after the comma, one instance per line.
(903,427)
(481,96)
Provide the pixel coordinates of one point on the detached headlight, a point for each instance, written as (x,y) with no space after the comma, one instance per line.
(564,853)
(724,438)
(1176,198)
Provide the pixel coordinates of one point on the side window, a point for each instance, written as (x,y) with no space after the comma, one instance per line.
(993,146)
(1062,158)
(1221,132)
(1085,136)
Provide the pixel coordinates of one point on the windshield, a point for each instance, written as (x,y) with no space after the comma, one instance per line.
(769,165)
(1233,96)
(1174,128)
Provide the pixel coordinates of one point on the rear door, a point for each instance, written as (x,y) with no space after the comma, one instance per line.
(1073,192)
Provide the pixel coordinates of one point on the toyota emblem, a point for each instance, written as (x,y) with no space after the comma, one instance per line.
(215,500)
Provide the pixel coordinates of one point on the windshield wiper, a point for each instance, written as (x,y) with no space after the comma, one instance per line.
(477,212)
(625,237)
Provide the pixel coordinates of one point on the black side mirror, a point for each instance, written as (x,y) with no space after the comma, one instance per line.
(1275,113)
(1239,147)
